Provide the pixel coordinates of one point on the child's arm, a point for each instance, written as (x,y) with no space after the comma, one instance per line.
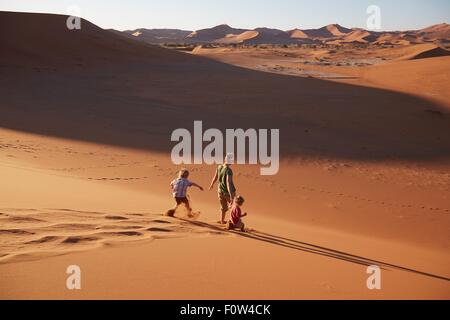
(244,214)
(214,180)
(197,186)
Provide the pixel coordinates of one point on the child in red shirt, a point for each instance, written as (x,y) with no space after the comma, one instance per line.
(235,221)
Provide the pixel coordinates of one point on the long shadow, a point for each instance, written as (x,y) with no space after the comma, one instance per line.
(315,249)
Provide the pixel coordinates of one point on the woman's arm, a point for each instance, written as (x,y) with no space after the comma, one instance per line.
(214,180)
(229,184)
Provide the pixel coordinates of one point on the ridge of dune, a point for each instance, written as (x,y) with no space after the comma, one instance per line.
(271,36)
(298,34)
(355,36)
(407,74)
(424,51)
(337,30)
(214,34)
(392,38)
(329,31)
(437,27)
(431,53)
(239,38)
(332,33)
(27,43)
(358,35)
(437,31)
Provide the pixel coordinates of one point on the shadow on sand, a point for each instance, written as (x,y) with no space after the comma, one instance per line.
(95,86)
(315,249)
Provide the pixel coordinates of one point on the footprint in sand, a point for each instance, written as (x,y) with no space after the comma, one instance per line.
(18,232)
(22,219)
(44,240)
(162,221)
(80,239)
(159,230)
(111,217)
(122,233)
(121,227)
(63,230)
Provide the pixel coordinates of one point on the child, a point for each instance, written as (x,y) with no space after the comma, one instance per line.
(235,221)
(179,188)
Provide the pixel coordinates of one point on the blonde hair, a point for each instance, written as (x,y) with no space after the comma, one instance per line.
(184,173)
(240,200)
(229,158)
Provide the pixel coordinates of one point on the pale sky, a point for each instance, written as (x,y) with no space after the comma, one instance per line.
(282,14)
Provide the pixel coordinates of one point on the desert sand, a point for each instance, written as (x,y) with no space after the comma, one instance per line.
(84,157)
(402,69)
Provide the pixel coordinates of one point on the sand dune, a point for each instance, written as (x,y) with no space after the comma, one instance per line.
(143,85)
(407,76)
(46,229)
(239,38)
(432,53)
(357,36)
(332,30)
(393,39)
(439,31)
(271,36)
(337,30)
(415,52)
(86,119)
(159,36)
(53,44)
(298,34)
(215,33)
(30,234)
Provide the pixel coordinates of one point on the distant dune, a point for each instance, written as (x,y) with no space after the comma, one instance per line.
(421,51)
(330,31)
(331,34)
(393,39)
(355,36)
(159,36)
(298,34)
(214,34)
(439,31)
(431,53)
(239,38)
(270,36)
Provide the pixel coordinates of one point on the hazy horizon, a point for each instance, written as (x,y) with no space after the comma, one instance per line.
(284,14)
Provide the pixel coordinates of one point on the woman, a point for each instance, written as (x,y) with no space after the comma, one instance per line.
(226,190)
